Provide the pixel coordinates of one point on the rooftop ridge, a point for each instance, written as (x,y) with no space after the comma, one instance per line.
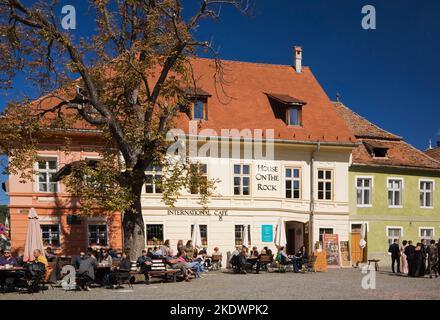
(395,137)
(261,64)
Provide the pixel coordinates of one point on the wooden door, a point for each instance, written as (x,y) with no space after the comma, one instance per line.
(357,253)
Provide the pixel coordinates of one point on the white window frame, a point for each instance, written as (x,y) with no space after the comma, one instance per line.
(192,224)
(432,192)
(401,191)
(94,223)
(153,173)
(292,179)
(366,223)
(48,223)
(324,180)
(426,228)
(206,174)
(48,171)
(363,188)
(387,228)
(241,176)
(252,240)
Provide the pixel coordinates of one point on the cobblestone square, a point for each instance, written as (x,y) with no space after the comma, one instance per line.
(340,284)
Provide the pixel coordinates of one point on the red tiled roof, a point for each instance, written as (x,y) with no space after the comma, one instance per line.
(434,153)
(285,98)
(399,152)
(241,103)
(361,127)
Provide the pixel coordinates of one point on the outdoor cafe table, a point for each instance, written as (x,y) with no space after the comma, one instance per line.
(5,272)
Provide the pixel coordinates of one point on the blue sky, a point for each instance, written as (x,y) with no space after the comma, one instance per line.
(389,75)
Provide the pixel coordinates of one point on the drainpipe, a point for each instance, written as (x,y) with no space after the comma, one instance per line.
(312,197)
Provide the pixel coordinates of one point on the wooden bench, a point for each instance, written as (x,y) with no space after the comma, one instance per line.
(265,261)
(159,270)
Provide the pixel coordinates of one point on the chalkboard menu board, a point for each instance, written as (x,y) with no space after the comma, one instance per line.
(331,246)
(345,254)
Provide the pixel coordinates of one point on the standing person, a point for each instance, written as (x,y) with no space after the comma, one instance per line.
(433,259)
(438,255)
(410,257)
(419,261)
(404,261)
(394,249)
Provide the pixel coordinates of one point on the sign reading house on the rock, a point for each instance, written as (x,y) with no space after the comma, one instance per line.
(267,178)
(198,212)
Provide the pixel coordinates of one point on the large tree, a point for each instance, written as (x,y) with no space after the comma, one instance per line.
(128,79)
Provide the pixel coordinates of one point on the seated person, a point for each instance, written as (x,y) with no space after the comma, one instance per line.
(243,263)
(76,261)
(87,269)
(254,252)
(218,256)
(157,252)
(7,258)
(268,251)
(299,259)
(302,256)
(40,258)
(50,255)
(144,263)
(150,253)
(282,257)
(179,262)
(112,253)
(105,259)
(122,271)
(7,278)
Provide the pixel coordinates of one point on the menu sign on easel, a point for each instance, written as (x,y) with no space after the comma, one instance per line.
(331,246)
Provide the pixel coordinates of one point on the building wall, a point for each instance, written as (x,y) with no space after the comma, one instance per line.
(260,207)
(53,208)
(410,217)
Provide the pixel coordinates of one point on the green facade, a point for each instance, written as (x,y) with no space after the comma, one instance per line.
(410,217)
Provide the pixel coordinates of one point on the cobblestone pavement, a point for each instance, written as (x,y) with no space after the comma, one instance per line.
(343,284)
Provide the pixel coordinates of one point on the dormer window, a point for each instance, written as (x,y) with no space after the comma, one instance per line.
(293,116)
(380,152)
(199,110)
(377,149)
(287,108)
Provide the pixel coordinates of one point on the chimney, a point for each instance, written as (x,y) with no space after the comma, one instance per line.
(297,59)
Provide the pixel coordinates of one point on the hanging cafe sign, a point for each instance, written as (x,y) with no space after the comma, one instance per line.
(198,212)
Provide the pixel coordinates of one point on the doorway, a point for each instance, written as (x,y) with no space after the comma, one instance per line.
(358,254)
(295,236)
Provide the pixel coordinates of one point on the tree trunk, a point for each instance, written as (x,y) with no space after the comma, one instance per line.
(133,228)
